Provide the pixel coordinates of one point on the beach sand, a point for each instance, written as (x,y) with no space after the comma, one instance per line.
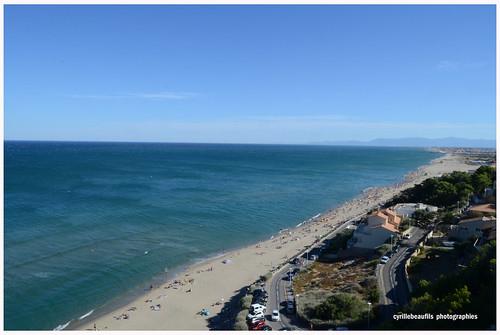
(212,283)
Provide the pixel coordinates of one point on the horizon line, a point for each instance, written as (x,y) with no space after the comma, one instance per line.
(317,143)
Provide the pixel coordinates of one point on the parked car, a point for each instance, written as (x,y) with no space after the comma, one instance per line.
(255,315)
(255,320)
(260,293)
(255,308)
(257,325)
(261,301)
(275,316)
(384,259)
(290,308)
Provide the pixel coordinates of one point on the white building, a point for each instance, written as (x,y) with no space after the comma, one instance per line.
(407,209)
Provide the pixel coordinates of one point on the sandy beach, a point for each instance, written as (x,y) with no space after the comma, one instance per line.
(175,304)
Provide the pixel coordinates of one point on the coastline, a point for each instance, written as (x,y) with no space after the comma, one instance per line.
(204,284)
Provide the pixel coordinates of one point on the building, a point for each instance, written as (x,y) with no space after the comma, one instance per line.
(379,228)
(384,217)
(407,209)
(472,228)
(483,210)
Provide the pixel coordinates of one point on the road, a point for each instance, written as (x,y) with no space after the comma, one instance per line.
(277,289)
(279,284)
(391,276)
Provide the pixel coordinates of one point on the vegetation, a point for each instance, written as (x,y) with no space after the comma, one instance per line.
(405,224)
(450,189)
(423,218)
(430,264)
(339,241)
(323,280)
(246,301)
(471,290)
(383,249)
(240,323)
(341,308)
(372,291)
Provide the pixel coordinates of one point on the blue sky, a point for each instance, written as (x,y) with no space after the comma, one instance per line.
(249,74)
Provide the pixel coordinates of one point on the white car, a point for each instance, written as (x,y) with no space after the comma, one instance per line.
(276,315)
(255,315)
(258,308)
(384,259)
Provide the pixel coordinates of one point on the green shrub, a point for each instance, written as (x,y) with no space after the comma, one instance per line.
(240,320)
(246,302)
(383,249)
(373,295)
(240,325)
(341,308)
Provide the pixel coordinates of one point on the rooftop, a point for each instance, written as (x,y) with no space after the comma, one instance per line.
(485,208)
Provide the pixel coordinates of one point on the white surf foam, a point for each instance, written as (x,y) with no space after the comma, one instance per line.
(61,327)
(85,315)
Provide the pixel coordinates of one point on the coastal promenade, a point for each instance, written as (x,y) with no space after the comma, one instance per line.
(213,283)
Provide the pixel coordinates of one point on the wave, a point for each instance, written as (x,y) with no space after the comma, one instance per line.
(61,327)
(85,315)
(309,220)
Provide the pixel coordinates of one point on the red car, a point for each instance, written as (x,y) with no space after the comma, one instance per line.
(256,326)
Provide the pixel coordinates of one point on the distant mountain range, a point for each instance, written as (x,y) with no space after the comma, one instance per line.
(448,142)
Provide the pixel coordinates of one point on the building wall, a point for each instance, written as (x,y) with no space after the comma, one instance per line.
(370,238)
(374,220)
(466,230)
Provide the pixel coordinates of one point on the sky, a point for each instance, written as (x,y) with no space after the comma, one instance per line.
(248,74)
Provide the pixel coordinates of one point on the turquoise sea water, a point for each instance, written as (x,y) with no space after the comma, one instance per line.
(79,217)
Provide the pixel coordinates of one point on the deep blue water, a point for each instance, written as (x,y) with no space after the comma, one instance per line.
(80,216)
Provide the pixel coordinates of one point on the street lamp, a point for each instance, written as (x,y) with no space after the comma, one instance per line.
(369,311)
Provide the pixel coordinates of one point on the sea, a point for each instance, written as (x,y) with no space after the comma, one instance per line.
(89,223)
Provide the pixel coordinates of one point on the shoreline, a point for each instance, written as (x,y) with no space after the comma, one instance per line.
(179,298)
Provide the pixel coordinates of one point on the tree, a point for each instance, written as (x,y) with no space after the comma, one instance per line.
(341,307)
(483,177)
(470,290)
(448,218)
(457,300)
(464,190)
(457,177)
(423,217)
(481,181)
